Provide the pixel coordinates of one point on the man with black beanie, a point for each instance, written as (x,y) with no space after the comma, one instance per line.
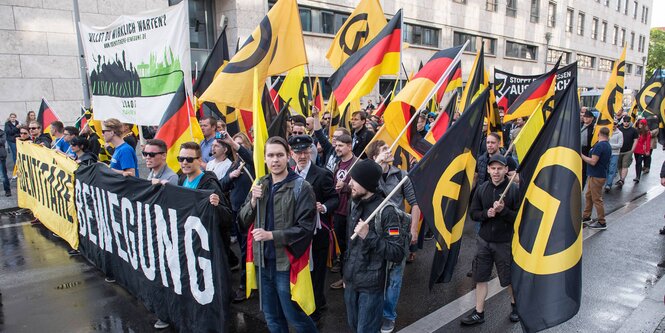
(367,256)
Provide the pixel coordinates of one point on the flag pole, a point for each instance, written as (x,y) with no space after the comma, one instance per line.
(512,178)
(385,201)
(401,49)
(431,93)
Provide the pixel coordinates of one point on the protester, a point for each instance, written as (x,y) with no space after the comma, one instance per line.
(367,256)
(616,142)
(361,135)
(327,201)
(493,245)
(3,163)
(380,152)
(282,209)
(309,125)
(93,139)
(154,154)
(222,158)
(221,126)
(23,133)
(328,157)
(421,124)
(345,159)
(586,136)
(492,148)
(299,128)
(30,117)
(626,152)
(124,159)
(129,136)
(208,127)
(80,146)
(517,127)
(37,136)
(12,132)
(642,148)
(597,166)
(325,120)
(69,133)
(58,132)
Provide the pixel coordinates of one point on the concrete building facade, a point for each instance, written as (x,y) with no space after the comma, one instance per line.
(39,54)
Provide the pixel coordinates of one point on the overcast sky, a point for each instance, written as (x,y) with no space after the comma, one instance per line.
(659,19)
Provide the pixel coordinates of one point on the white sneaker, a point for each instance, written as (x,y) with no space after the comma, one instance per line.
(161,324)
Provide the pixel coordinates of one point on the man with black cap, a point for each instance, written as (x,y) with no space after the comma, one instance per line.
(367,256)
(626,152)
(586,136)
(496,217)
(326,202)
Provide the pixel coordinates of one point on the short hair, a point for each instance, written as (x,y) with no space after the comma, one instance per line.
(114,125)
(72,130)
(57,126)
(212,120)
(604,131)
(299,119)
(36,123)
(244,138)
(374,148)
(23,127)
(361,114)
(297,123)
(158,143)
(495,135)
(278,140)
(193,146)
(229,150)
(344,130)
(345,138)
(81,142)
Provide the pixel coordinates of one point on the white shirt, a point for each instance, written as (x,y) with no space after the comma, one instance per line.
(219,168)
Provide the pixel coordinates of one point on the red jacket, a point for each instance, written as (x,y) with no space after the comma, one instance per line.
(643,141)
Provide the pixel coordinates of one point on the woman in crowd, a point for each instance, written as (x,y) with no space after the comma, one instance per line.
(81,147)
(643,147)
(12,132)
(31,116)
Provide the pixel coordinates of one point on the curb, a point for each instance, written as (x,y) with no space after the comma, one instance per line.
(649,313)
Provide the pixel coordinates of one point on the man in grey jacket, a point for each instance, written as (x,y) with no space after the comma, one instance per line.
(616,142)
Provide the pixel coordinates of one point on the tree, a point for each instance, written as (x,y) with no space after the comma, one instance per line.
(656,51)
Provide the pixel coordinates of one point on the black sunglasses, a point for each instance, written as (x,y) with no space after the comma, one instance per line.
(34,128)
(153,154)
(188,159)
(24,133)
(298,133)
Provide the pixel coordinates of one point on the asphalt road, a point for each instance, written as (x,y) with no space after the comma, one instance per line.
(46,290)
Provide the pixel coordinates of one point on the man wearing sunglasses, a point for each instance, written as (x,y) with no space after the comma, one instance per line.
(154,155)
(37,136)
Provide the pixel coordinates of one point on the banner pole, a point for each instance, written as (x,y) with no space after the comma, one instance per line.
(82,65)
(258,219)
(507,187)
(383,203)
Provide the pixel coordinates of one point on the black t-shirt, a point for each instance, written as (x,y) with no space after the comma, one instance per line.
(629,134)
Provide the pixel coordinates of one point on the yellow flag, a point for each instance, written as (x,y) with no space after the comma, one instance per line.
(294,88)
(529,132)
(274,47)
(611,101)
(260,129)
(362,25)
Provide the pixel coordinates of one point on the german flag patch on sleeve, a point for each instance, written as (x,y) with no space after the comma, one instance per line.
(393,232)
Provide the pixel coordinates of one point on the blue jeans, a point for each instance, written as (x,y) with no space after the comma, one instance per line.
(12,147)
(278,307)
(5,178)
(363,309)
(392,291)
(612,171)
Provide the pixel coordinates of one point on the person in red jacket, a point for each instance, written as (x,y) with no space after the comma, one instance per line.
(643,147)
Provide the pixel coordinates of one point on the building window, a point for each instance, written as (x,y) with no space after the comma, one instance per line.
(460,1)
(605,65)
(623,37)
(551,14)
(459,38)
(594,28)
(646,15)
(491,5)
(638,69)
(319,20)
(522,51)
(644,9)
(632,40)
(535,11)
(603,32)
(569,20)
(201,28)
(629,68)
(635,5)
(306,19)
(619,5)
(607,3)
(615,35)
(420,35)
(553,56)
(511,8)
(580,24)
(585,61)
(640,44)
(625,7)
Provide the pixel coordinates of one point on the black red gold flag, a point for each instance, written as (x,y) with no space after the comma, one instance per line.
(538,93)
(45,116)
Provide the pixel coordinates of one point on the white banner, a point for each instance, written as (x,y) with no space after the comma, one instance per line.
(137,63)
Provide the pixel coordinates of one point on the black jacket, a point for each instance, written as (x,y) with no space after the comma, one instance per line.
(361,139)
(3,149)
(12,131)
(322,183)
(44,139)
(95,146)
(365,260)
(87,159)
(497,229)
(210,182)
(329,157)
(239,187)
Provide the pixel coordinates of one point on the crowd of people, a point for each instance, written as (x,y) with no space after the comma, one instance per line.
(321,186)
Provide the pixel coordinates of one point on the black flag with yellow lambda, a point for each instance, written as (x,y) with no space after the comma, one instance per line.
(442,181)
(547,242)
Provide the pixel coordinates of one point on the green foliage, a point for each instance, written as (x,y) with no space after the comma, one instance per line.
(656,51)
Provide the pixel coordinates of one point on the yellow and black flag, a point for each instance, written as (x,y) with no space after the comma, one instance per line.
(442,181)
(547,240)
(651,98)
(611,101)
(275,46)
(476,82)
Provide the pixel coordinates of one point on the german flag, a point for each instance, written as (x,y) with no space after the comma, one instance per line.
(46,116)
(300,280)
(611,101)
(442,122)
(250,268)
(334,114)
(262,52)
(214,64)
(178,125)
(364,23)
(413,97)
(442,181)
(360,72)
(452,83)
(539,92)
(317,99)
(273,90)
(547,240)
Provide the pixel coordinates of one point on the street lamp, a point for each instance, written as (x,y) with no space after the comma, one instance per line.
(548,36)
(644,69)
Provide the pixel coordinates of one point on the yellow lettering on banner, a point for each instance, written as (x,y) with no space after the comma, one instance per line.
(536,261)
(447,189)
(46,186)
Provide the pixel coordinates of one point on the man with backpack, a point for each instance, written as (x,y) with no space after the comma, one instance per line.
(378,242)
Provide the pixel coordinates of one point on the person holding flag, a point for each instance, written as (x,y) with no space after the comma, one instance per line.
(598,163)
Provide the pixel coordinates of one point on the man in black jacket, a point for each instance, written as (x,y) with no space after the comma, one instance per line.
(326,202)
(497,217)
(37,136)
(361,135)
(379,241)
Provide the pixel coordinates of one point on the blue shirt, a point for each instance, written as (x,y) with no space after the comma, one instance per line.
(124,157)
(603,150)
(61,145)
(194,183)
(206,148)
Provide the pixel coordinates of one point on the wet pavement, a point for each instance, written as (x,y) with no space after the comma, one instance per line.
(46,290)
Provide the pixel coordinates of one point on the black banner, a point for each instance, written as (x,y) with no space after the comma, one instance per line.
(508,86)
(164,250)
